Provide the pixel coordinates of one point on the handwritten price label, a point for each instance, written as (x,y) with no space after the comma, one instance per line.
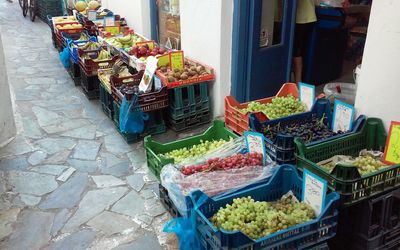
(343,115)
(392,149)
(314,191)
(176,60)
(307,94)
(92,15)
(109,21)
(163,60)
(255,143)
(112,29)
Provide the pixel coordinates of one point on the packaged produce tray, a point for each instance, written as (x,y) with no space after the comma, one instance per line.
(301,236)
(148,101)
(346,180)
(155,161)
(90,66)
(206,78)
(238,121)
(282,149)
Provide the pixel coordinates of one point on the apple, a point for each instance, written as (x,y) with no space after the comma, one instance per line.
(143,50)
(161,51)
(153,53)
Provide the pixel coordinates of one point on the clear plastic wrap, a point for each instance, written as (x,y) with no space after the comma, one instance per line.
(211,176)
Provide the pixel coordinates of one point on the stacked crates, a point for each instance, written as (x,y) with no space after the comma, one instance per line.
(189,106)
(49,7)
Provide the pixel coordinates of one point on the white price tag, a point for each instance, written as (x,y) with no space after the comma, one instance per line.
(255,143)
(92,15)
(146,82)
(109,21)
(343,115)
(314,191)
(157,83)
(307,94)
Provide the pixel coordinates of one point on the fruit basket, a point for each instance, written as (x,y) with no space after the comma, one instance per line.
(238,121)
(67,29)
(347,180)
(301,236)
(155,161)
(74,45)
(91,66)
(173,82)
(148,101)
(281,147)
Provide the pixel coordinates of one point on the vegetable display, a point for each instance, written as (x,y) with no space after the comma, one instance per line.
(308,130)
(191,70)
(200,149)
(259,218)
(231,162)
(279,107)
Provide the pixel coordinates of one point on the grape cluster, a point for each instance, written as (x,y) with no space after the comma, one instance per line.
(310,130)
(230,162)
(182,154)
(257,219)
(278,107)
(368,164)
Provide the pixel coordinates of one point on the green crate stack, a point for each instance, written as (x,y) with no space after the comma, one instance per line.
(189,106)
(154,150)
(49,7)
(155,125)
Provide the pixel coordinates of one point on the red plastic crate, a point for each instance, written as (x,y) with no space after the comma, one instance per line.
(148,101)
(238,121)
(89,66)
(180,83)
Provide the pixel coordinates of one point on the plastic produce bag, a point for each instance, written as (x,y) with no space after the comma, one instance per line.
(131,117)
(213,183)
(185,230)
(64,58)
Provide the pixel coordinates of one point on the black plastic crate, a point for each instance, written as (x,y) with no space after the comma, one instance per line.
(167,202)
(191,121)
(75,72)
(106,102)
(90,86)
(370,224)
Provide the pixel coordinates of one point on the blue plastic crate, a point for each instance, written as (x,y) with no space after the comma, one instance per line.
(74,51)
(302,236)
(282,149)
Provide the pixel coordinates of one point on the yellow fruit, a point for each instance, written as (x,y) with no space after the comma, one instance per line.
(58,27)
(80,6)
(93,5)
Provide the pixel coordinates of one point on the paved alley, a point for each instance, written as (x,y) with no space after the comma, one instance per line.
(68,180)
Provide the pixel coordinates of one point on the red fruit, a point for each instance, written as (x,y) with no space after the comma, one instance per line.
(155,50)
(143,50)
(146,46)
(161,51)
(135,49)
(153,53)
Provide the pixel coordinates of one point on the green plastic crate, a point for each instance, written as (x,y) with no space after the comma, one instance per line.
(155,162)
(346,180)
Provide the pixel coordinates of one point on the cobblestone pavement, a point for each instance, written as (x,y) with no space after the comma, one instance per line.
(68,180)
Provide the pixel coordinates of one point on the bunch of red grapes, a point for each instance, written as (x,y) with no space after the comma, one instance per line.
(231,162)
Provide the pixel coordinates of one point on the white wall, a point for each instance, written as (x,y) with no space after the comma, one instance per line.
(136,12)
(206,34)
(7,125)
(378,92)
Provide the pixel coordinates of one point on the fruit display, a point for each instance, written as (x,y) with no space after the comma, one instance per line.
(124,41)
(63,19)
(200,149)
(191,70)
(87,46)
(230,162)
(365,164)
(93,5)
(144,51)
(69,26)
(80,6)
(278,107)
(257,219)
(103,55)
(310,130)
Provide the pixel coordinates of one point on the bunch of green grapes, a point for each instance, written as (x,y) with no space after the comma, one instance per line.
(204,147)
(257,219)
(368,164)
(278,107)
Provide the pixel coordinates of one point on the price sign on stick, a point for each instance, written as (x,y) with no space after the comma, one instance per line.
(255,143)
(163,60)
(392,149)
(343,115)
(307,94)
(176,60)
(314,191)
(109,21)
(92,15)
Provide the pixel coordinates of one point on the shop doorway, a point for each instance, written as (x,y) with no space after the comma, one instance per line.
(261,47)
